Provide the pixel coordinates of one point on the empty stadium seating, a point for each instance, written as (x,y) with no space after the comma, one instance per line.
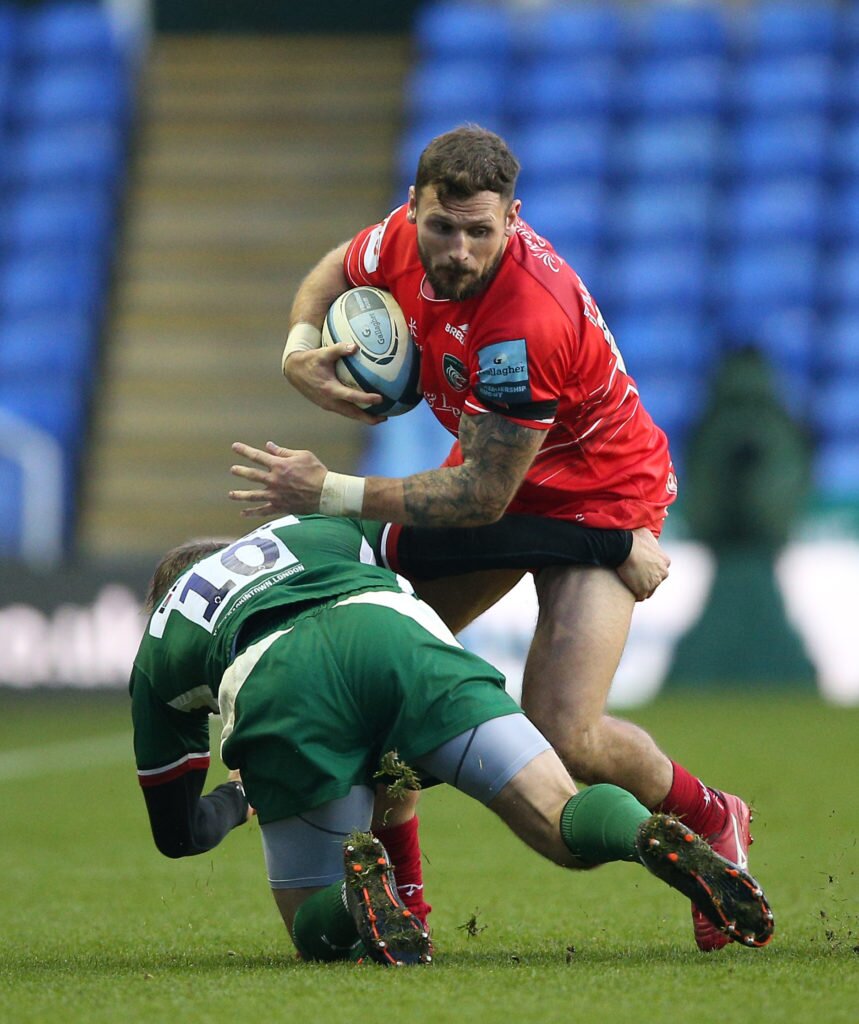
(65,96)
(702,159)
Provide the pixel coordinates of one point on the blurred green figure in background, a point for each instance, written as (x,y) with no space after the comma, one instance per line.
(745,485)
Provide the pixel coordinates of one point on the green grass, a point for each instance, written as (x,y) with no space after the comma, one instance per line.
(98,927)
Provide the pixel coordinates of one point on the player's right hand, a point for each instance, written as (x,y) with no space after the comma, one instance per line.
(312,373)
(646,565)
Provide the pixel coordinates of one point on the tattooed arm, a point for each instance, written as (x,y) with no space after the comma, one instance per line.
(496,452)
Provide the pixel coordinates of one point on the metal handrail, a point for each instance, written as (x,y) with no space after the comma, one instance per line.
(40,458)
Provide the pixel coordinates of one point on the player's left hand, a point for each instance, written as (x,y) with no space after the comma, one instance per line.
(646,565)
(289,481)
(236,776)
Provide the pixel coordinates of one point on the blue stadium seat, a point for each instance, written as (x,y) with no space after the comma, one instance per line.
(6,93)
(673,400)
(836,468)
(849,31)
(463,89)
(560,150)
(9,30)
(455,29)
(689,87)
(759,280)
(584,257)
(59,284)
(672,30)
(781,145)
(564,88)
(659,341)
(789,27)
(777,210)
(781,86)
(845,150)
(65,155)
(65,219)
(8,33)
(847,86)
(840,279)
(842,214)
(68,31)
(838,345)
(56,403)
(672,277)
(835,411)
(573,211)
(791,338)
(652,212)
(569,32)
(50,92)
(46,345)
(679,149)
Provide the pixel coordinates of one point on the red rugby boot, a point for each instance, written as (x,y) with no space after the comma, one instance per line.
(733,843)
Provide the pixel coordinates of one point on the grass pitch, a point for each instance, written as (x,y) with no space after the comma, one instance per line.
(97,926)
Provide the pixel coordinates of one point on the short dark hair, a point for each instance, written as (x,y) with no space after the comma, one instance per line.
(465,161)
(175,562)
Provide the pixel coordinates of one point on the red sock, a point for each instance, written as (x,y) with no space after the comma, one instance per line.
(701,808)
(401,842)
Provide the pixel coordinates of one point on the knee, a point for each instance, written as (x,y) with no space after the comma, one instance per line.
(580,752)
(578,744)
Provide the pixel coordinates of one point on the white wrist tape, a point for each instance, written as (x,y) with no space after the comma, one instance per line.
(301,338)
(342,495)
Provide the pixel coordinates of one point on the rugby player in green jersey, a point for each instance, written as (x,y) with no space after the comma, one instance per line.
(322,665)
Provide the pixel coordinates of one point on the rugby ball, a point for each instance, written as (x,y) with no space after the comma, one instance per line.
(386,361)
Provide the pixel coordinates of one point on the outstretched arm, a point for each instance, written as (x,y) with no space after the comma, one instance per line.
(496,451)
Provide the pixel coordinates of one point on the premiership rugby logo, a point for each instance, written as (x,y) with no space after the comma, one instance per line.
(454,371)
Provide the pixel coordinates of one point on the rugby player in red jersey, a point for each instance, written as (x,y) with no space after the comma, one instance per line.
(519,365)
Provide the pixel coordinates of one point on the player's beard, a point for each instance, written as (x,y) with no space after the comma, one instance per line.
(448,282)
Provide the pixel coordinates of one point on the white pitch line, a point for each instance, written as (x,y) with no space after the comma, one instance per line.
(68,756)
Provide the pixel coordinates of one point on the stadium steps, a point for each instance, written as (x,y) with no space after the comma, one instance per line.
(254,156)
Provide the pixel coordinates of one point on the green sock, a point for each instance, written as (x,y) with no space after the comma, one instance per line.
(323,928)
(600,824)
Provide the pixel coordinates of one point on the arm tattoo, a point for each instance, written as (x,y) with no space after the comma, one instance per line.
(497,453)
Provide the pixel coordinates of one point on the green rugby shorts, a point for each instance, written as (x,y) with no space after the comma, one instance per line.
(309,710)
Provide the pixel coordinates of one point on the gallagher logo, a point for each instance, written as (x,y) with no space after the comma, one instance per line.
(454,371)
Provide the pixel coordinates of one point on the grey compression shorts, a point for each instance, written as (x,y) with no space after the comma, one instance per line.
(306,851)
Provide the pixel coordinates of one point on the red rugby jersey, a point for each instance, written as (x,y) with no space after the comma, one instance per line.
(535,348)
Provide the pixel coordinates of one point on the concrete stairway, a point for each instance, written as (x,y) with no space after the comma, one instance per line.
(254,156)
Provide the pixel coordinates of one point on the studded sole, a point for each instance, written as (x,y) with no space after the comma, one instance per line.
(392,935)
(726,894)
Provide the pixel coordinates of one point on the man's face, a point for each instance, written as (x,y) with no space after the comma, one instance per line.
(461,241)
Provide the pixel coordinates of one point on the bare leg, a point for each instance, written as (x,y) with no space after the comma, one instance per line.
(388,811)
(531,804)
(581,631)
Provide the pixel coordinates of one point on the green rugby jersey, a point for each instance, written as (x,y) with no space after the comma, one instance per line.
(190,636)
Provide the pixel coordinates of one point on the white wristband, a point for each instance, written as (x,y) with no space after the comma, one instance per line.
(301,338)
(342,495)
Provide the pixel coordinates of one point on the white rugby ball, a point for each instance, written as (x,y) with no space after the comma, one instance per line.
(387,361)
